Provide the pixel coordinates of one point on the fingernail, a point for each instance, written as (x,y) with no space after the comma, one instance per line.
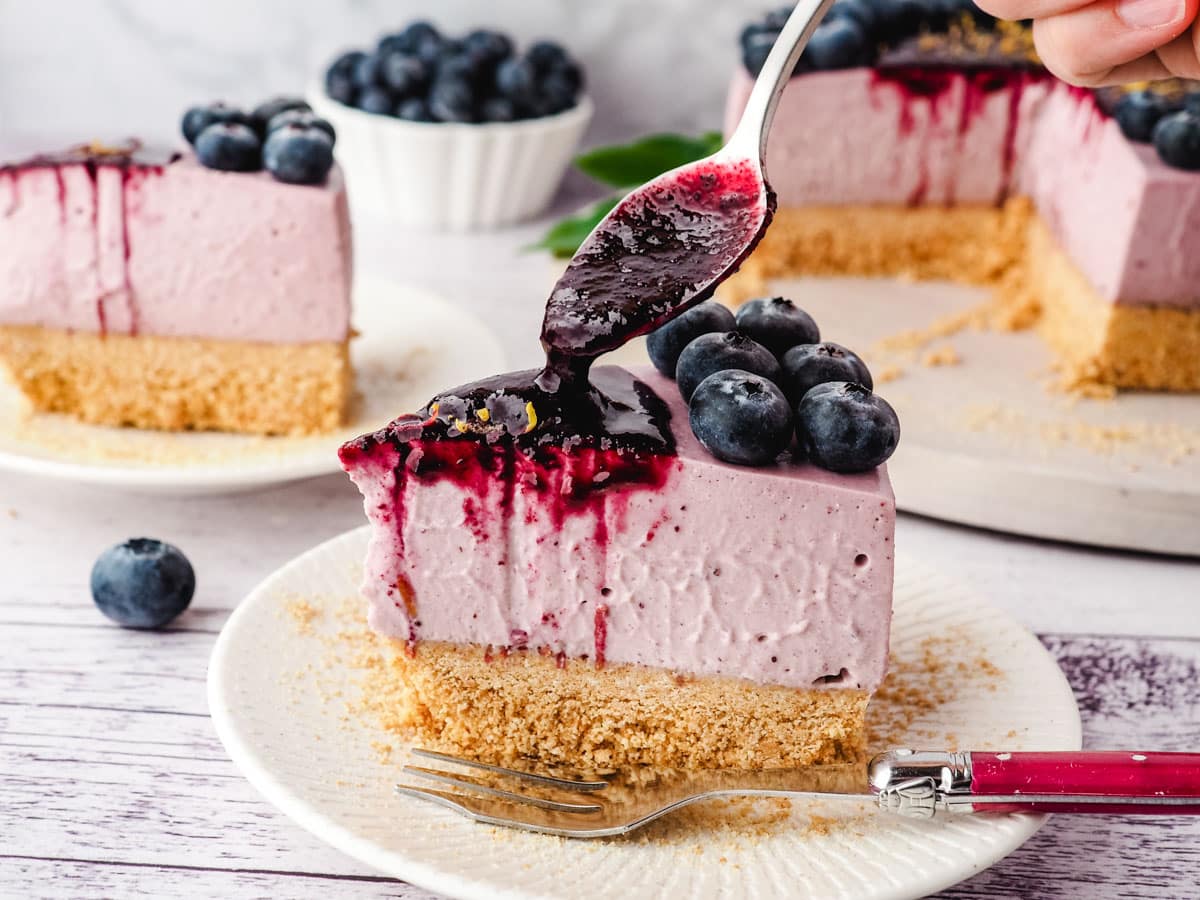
(1151,13)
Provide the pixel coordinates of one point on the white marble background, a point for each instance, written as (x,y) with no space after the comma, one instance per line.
(84,68)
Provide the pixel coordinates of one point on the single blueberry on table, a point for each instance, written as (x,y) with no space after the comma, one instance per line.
(404,76)
(142,583)
(197,118)
(807,365)
(717,351)
(741,417)
(229,147)
(498,109)
(414,109)
(376,100)
(516,80)
(306,118)
(777,323)
(665,343)
(843,427)
(840,44)
(1137,112)
(1177,140)
(262,115)
(298,154)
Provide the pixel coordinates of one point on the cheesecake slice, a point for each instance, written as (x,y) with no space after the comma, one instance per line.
(583,582)
(144,289)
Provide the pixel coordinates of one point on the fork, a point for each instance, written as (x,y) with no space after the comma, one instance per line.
(916,784)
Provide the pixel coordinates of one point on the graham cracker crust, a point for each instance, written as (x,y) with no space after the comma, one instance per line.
(1100,345)
(180,384)
(1099,342)
(969,244)
(497,708)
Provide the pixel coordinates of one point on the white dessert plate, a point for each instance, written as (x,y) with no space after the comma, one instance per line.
(964,675)
(985,443)
(410,345)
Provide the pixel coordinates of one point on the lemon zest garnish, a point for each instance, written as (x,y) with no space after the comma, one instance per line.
(483,414)
(461,426)
(529,411)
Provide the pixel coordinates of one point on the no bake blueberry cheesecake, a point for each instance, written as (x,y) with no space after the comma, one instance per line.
(924,139)
(204,289)
(581,565)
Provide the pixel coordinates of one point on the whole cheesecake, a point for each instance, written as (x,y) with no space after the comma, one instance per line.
(942,150)
(143,288)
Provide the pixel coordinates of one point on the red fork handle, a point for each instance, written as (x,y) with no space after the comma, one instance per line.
(1115,781)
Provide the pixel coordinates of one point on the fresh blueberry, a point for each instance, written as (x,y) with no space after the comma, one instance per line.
(843,427)
(265,112)
(142,583)
(840,44)
(570,72)
(807,365)
(863,12)
(555,94)
(405,76)
(722,350)
(777,323)
(898,19)
(297,154)
(415,37)
(1137,112)
(341,88)
(452,100)
(1177,140)
(345,64)
(666,342)
(462,66)
(498,109)
(1191,102)
(755,50)
(196,119)
(740,417)
(488,46)
(546,55)
(376,100)
(516,80)
(368,73)
(414,110)
(230,147)
(305,118)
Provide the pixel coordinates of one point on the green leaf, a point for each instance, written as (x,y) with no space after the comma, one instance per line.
(564,237)
(630,165)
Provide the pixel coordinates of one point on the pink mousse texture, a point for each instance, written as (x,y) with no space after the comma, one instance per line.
(942,137)
(778,575)
(176,250)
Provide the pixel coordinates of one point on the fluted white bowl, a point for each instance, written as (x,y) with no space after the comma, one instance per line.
(449,175)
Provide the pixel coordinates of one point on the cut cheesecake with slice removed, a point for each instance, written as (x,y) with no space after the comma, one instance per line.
(616,595)
(146,289)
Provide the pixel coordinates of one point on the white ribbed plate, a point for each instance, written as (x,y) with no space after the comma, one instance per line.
(278,698)
(410,345)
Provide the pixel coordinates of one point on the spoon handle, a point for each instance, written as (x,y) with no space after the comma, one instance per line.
(751,134)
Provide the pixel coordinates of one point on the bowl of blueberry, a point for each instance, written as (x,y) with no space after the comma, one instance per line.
(454,132)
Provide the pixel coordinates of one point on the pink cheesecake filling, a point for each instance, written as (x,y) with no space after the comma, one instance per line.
(779,575)
(176,251)
(929,136)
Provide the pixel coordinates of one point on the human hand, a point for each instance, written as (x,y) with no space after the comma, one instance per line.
(1097,42)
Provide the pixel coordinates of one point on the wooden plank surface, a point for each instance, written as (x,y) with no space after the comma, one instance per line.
(113,783)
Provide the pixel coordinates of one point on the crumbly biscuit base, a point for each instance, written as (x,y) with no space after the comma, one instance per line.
(181,384)
(471,701)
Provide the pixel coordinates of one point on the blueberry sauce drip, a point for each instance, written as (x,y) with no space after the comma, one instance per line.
(132,154)
(662,250)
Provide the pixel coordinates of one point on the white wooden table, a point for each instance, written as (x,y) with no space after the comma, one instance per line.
(113,784)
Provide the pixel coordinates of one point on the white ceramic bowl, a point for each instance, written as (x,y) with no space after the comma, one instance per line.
(447,175)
